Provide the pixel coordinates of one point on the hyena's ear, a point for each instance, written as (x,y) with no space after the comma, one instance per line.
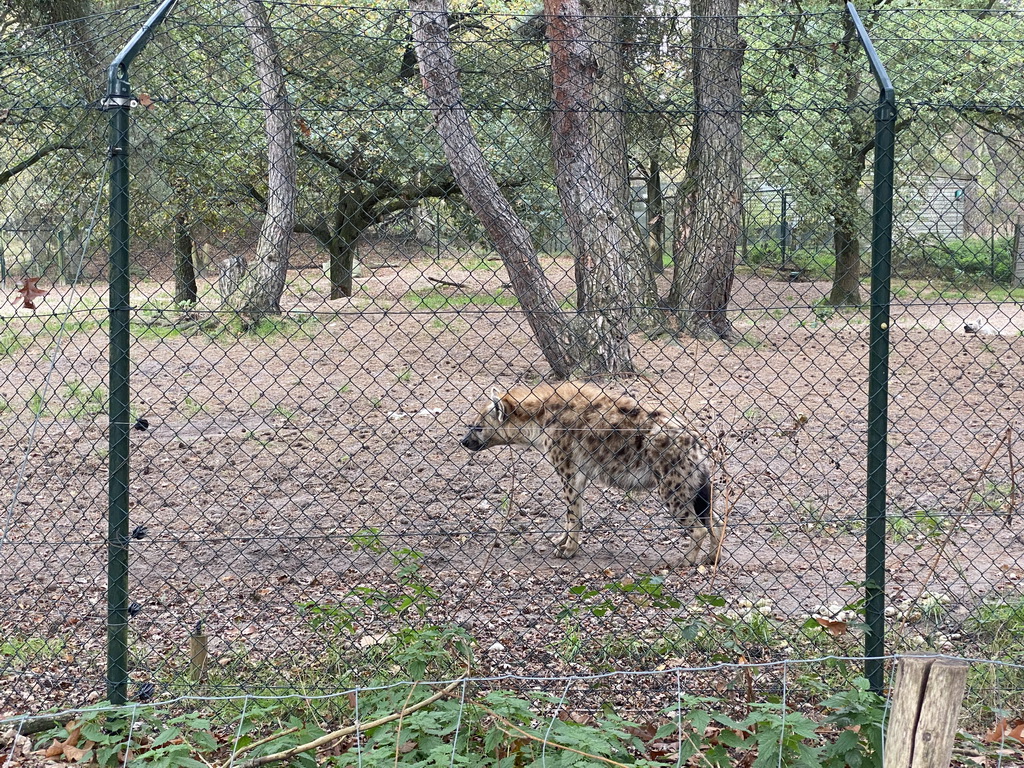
(498,405)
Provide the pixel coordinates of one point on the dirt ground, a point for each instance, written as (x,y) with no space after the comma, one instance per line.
(308,465)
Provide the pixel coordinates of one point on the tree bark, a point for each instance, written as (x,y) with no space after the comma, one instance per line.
(471,172)
(655,215)
(186,292)
(594,220)
(350,220)
(707,226)
(845,239)
(607,31)
(261,289)
(853,152)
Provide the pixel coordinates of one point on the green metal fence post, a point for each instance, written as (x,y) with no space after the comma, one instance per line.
(878,360)
(118,101)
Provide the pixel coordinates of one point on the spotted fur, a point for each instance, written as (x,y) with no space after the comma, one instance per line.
(591,435)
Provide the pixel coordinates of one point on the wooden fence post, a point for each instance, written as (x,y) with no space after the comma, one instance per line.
(925,710)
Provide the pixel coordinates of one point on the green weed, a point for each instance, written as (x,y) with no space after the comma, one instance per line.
(25,650)
(192,407)
(10,343)
(84,400)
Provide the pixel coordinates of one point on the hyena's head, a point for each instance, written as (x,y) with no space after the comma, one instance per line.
(491,427)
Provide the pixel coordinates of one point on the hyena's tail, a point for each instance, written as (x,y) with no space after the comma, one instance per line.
(702,502)
(705,515)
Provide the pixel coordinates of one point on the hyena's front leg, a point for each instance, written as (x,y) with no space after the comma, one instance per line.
(573,483)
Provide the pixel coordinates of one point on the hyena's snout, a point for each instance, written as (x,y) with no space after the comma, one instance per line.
(473,440)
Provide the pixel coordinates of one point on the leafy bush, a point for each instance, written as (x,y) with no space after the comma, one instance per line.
(954,260)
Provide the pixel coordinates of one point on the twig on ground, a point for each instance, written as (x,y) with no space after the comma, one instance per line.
(1012,501)
(722,529)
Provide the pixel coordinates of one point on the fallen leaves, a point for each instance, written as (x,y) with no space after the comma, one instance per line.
(69,749)
(1002,732)
(834,628)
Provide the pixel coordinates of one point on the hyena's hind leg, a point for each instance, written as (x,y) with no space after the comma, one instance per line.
(689,502)
(573,483)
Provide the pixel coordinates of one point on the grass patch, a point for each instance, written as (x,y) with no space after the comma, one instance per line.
(434,300)
(10,343)
(25,650)
(958,261)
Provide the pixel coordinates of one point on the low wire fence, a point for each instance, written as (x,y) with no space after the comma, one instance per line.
(300,515)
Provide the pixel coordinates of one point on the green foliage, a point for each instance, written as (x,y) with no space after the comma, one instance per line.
(776,734)
(646,590)
(10,343)
(860,713)
(957,260)
(414,646)
(918,526)
(141,737)
(22,650)
(1000,624)
(799,264)
(489,728)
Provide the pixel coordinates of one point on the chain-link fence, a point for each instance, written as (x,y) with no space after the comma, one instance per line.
(340,251)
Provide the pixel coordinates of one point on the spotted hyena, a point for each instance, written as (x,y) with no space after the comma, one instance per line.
(589,434)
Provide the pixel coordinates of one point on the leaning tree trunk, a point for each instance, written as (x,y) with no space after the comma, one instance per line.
(481,191)
(597,232)
(707,229)
(261,289)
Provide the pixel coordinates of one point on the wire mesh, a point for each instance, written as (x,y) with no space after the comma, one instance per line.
(302,511)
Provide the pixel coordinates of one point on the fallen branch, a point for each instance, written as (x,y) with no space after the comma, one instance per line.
(532,737)
(348,730)
(444,282)
(261,742)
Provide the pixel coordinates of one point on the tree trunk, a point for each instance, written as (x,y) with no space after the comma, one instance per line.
(655,215)
(596,230)
(707,228)
(349,222)
(606,32)
(481,192)
(261,290)
(186,292)
(852,150)
(845,240)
